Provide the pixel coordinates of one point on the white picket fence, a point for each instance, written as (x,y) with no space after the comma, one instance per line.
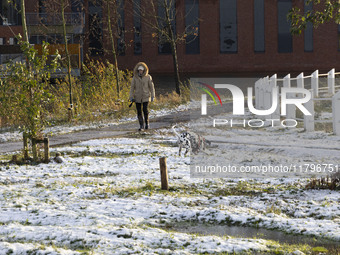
(263,97)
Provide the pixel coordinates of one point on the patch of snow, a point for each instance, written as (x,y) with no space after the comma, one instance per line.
(105,196)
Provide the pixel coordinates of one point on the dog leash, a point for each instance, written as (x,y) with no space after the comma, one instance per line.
(131,103)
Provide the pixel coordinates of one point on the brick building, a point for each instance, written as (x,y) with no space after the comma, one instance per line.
(235,37)
(44,23)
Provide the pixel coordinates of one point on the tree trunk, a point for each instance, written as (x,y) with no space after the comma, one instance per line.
(175,62)
(68,60)
(23,18)
(113,47)
(24,28)
(29,65)
(173,47)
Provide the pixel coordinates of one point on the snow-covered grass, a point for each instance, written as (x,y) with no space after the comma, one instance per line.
(16,135)
(105,198)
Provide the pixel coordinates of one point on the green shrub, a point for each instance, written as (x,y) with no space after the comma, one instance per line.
(94,95)
(25,92)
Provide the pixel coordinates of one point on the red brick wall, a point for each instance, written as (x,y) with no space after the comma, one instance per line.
(246,62)
(210,61)
(6,33)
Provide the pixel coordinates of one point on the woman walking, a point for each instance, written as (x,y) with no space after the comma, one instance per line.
(142,92)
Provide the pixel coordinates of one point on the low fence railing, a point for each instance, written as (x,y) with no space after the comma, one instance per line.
(331,92)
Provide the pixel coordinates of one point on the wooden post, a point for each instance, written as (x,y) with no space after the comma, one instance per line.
(336,113)
(164,173)
(46,150)
(331,81)
(25,138)
(34,150)
(257,92)
(204,104)
(14,159)
(308,121)
(260,101)
(267,94)
(291,109)
(300,81)
(315,83)
(263,93)
(273,84)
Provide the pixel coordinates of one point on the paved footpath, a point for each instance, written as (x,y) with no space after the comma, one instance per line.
(122,129)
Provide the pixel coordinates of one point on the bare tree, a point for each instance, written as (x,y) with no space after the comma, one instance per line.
(24,28)
(63,6)
(55,15)
(160,17)
(112,4)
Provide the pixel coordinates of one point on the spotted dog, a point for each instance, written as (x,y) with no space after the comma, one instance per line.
(190,140)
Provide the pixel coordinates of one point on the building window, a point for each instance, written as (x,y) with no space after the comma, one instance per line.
(43,17)
(56,39)
(164,46)
(95,27)
(137,27)
(12,41)
(192,27)
(76,38)
(1,41)
(77,5)
(38,39)
(259,31)
(121,29)
(228,26)
(10,15)
(285,41)
(42,7)
(33,39)
(309,29)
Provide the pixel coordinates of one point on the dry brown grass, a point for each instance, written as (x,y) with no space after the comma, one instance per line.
(95,97)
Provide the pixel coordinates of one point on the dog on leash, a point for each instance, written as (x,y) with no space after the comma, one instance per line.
(190,140)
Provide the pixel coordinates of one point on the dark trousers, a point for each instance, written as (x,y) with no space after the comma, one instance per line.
(145,112)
